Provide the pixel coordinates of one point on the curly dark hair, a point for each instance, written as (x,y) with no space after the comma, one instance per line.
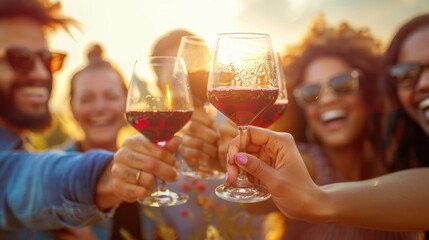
(41,11)
(357,47)
(409,139)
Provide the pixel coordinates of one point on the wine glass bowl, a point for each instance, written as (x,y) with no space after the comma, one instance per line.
(242,83)
(275,111)
(196,53)
(158,105)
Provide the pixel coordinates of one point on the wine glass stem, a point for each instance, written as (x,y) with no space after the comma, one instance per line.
(242,133)
(161,185)
(206,106)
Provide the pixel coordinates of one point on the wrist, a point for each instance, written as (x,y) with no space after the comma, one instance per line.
(317,207)
(104,196)
(324,206)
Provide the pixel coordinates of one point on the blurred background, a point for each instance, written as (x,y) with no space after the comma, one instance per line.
(127,29)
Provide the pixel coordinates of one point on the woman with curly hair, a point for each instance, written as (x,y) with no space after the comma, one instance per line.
(333,76)
(396,201)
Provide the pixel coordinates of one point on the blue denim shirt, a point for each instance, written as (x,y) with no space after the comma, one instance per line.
(46,190)
(102,229)
(192,220)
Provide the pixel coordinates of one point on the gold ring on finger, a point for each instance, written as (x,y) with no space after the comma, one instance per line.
(138,176)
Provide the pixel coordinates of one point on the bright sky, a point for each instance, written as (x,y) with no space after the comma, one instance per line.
(128,28)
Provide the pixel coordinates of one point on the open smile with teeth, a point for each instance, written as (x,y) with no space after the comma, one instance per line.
(424,103)
(101,120)
(332,115)
(35,92)
(424,108)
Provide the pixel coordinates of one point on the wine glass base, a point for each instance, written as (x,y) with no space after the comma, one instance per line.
(167,198)
(243,194)
(203,173)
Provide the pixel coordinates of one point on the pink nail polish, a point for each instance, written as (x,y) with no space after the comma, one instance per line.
(241,159)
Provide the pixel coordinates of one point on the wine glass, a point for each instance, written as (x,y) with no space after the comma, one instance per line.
(242,83)
(275,111)
(196,53)
(158,105)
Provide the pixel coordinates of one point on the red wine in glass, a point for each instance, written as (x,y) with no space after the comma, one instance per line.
(198,85)
(159,104)
(196,52)
(240,104)
(242,83)
(158,126)
(270,114)
(275,111)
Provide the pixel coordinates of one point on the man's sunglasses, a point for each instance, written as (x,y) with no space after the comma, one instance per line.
(342,84)
(407,74)
(22,60)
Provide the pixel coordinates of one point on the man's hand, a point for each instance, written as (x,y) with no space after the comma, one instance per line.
(135,166)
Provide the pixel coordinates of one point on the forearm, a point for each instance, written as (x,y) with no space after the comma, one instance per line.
(397,201)
(104,196)
(49,190)
(261,207)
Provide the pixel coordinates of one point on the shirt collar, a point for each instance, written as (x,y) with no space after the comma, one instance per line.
(9,139)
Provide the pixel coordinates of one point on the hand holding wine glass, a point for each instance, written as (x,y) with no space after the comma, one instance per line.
(158,105)
(228,130)
(242,83)
(199,147)
(196,53)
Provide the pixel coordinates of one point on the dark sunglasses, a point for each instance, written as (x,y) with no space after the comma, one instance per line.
(22,59)
(407,74)
(342,84)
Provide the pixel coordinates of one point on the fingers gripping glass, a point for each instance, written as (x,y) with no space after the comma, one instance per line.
(22,60)
(342,84)
(197,54)
(407,74)
(242,84)
(159,104)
